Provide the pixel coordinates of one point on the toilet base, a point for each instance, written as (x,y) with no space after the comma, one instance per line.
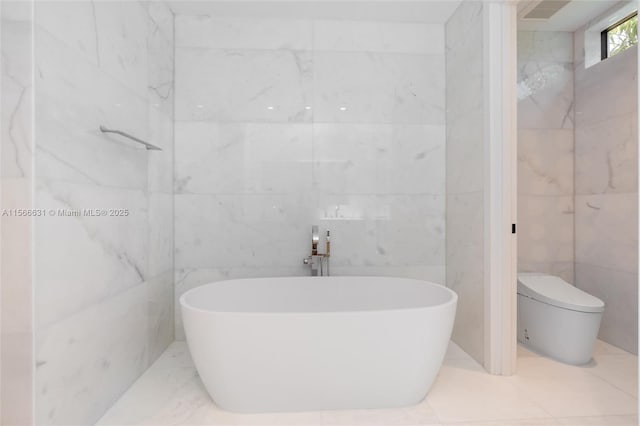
(563,334)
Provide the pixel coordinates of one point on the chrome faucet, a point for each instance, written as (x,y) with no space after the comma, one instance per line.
(317,260)
(315,239)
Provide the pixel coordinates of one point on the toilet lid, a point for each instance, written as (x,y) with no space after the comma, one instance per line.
(557,292)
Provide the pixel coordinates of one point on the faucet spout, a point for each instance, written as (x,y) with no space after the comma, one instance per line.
(315,239)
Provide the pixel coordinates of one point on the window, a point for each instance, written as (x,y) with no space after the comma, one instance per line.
(620,36)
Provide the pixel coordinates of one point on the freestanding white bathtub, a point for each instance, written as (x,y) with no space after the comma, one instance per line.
(309,343)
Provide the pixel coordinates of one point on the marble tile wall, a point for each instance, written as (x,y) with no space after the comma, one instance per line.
(465,174)
(103,284)
(546,153)
(16,180)
(606,200)
(577,173)
(281,124)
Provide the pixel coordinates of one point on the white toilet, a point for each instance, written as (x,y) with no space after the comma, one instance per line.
(556,318)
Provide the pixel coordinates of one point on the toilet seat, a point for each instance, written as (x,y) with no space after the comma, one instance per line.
(557,292)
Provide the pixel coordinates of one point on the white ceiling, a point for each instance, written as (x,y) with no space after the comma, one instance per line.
(427,11)
(571,17)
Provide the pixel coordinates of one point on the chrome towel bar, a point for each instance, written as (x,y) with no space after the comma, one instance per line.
(133,138)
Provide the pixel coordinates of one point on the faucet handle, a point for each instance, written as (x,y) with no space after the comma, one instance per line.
(327,250)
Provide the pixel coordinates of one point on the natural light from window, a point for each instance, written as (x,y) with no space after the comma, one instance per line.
(622,35)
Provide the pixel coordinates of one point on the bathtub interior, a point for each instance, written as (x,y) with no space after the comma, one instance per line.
(326,294)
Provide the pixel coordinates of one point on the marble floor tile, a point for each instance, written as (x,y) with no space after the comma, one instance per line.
(565,421)
(279,419)
(421,414)
(618,370)
(465,392)
(513,422)
(566,391)
(600,421)
(542,393)
(604,348)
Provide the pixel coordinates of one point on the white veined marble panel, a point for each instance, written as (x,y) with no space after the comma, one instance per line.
(545,161)
(160,225)
(243,33)
(358,87)
(545,46)
(607,231)
(160,73)
(619,291)
(378,158)
(86,361)
(464,152)
(73,99)
(241,230)
(612,83)
(243,85)
(73,23)
(80,260)
(390,37)
(607,156)
(162,17)
(122,38)
(17,95)
(545,95)
(219,158)
(160,166)
(545,228)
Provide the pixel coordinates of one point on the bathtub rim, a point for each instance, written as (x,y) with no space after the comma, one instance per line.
(453,300)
